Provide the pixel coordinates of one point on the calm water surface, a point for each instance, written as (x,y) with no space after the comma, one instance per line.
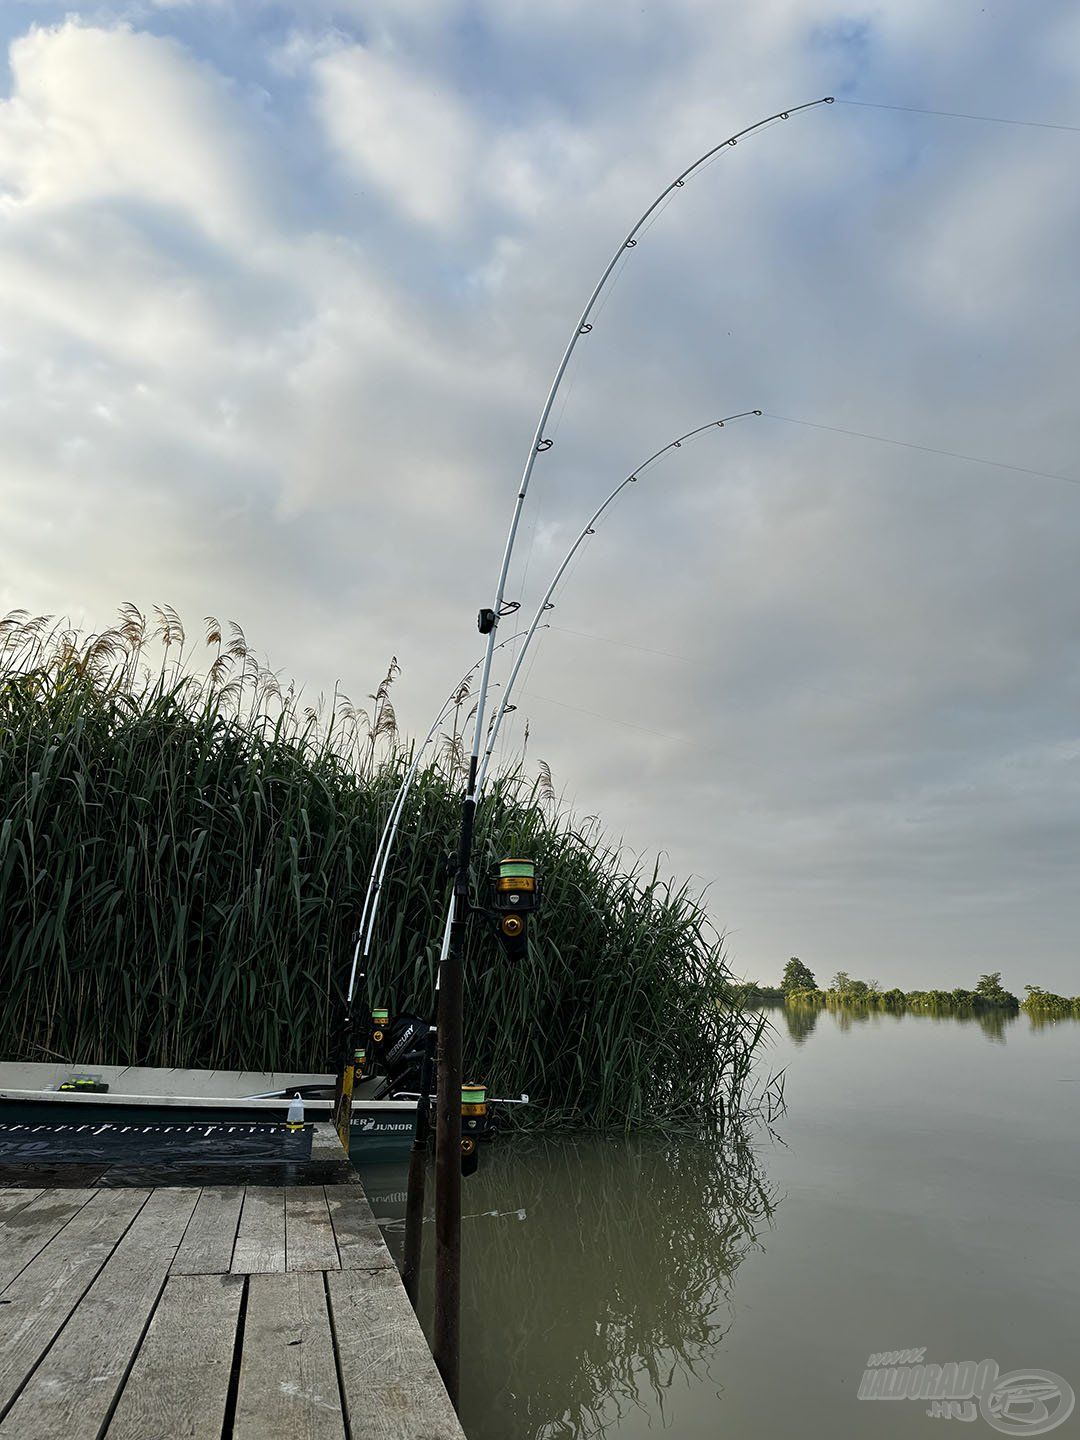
(923,1190)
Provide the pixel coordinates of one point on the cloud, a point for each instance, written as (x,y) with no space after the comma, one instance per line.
(282,295)
(114,112)
(404,132)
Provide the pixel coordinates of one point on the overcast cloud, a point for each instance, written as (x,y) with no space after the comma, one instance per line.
(282,287)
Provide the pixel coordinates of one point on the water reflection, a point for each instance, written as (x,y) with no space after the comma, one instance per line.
(595,1272)
(631,1249)
(993,1023)
(801,1020)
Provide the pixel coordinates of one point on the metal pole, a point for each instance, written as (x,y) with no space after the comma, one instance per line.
(446,1345)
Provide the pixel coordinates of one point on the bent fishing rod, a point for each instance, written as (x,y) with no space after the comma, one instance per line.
(446,1330)
(546,604)
(414,1207)
(366,928)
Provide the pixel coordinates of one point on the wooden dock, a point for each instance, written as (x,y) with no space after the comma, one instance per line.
(269,1312)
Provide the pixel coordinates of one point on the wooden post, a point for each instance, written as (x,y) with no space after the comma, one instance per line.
(417,1185)
(447,1329)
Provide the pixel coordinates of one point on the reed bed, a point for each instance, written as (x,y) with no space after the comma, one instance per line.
(184,847)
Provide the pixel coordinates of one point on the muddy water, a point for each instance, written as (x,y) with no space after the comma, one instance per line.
(921,1193)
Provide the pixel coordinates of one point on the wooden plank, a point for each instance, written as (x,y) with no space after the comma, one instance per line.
(14,1200)
(288,1377)
(207,1246)
(329,1163)
(179,1384)
(71,1392)
(392,1389)
(260,1240)
(309,1235)
(359,1240)
(25,1231)
(38,1303)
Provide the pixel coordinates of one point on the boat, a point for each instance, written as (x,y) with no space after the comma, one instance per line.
(242,1110)
(50,1096)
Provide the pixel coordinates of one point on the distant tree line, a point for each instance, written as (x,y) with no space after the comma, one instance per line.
(798,986)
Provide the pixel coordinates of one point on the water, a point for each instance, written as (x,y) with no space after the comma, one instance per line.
(921,1191)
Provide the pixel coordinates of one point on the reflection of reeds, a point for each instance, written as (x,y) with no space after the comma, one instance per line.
(617,1280)
(182,853)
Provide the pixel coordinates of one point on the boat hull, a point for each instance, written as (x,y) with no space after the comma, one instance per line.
(171,1100)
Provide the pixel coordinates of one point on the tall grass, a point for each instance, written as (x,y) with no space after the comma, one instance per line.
(183,852)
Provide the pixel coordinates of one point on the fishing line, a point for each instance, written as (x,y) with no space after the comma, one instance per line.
(609,719)
(535,654)
(759,131)
(449,1022)
(366,929)
(571,558)
(625,644)
(541,443)
(960,115)
(926,449)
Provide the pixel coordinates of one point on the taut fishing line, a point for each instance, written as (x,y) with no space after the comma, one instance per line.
(926,449)
(449,1022)
(625,644)
(960,115)
(570,560)
(543,442)
(609,719)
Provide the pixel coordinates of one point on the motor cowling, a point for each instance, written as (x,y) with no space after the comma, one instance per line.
(403,1045)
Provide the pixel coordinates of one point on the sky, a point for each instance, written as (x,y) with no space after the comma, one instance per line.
(283,287)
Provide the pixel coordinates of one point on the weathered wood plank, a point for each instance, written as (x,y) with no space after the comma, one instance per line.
(25,1231)
(260,1239)
(309,1235)
(359,1240)
(40,1300)
(207,1246)
(288,1377)
(13,1200)
(392,1389)
(179,1384)
(72,1390)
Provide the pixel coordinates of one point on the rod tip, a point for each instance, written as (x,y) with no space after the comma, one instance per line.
(828,100)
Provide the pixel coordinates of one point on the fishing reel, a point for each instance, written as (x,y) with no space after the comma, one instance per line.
(515,896)
(476,1124)
(380,1020)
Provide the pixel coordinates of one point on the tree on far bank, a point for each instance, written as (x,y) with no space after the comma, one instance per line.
(797,976)
(991,990)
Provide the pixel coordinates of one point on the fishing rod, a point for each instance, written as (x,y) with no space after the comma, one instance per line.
(446,1330)
(366,929)
(418,1155)
(546,604)
(391,827)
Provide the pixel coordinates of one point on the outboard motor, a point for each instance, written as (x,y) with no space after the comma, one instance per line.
(401,1053)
